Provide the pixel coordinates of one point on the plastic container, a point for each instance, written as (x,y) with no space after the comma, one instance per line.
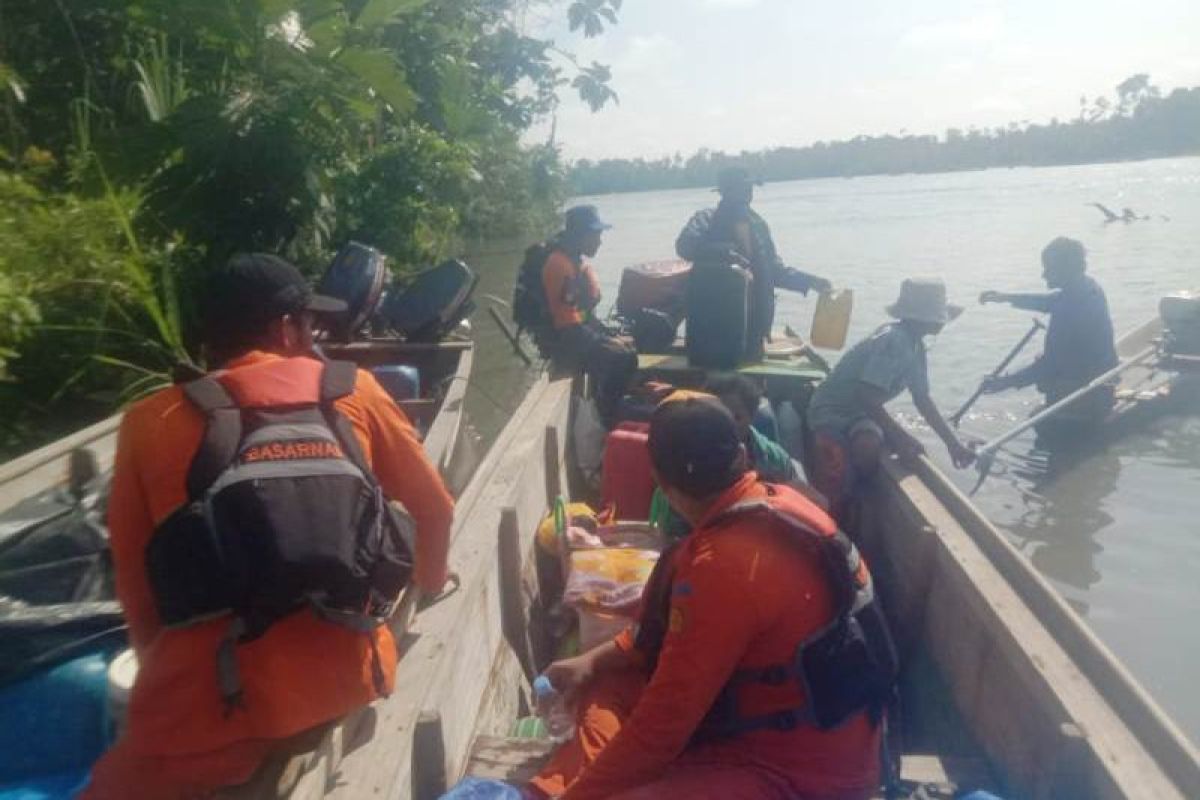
(718,317)
(401,381)
(831,321)
(626,480)
(560,722)
(121,674)
(55,722)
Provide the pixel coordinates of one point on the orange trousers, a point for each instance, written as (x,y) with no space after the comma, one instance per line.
(603,708)
(122,774)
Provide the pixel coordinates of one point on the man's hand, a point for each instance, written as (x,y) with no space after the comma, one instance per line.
(569,675)
(991,297)
(960,455)
(821,285)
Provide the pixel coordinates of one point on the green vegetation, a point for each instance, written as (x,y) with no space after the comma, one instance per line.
(144,141)
(1139,123)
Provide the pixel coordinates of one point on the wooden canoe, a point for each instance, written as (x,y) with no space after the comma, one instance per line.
(445,369)
(1001,675)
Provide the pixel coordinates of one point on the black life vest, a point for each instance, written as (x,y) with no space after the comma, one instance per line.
(848,666)
(282,514)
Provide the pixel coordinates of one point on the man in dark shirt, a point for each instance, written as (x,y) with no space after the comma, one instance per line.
(733,234)
(1079,339)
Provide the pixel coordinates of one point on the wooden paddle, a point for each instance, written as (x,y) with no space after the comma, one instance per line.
(957,416)
(985,455)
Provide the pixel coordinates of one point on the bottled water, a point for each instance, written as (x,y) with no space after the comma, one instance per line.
(559,721)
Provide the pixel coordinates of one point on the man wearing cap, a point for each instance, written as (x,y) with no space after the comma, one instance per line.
(1079,338)
(572,293)
(846,417)
(668,709)
(733,234)
(180,739)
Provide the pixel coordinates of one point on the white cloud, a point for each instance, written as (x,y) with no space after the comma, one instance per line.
(653,54)
(999,102)
(986,26)
(731,3)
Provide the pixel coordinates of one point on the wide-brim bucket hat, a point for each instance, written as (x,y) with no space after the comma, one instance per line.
(924,300)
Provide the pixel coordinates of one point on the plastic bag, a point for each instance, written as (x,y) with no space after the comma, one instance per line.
(56,582)
(609,580)
(482,789)
(589,435)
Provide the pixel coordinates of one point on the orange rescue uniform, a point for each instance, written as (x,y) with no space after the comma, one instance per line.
(743,596)
(571,290)
(302,671)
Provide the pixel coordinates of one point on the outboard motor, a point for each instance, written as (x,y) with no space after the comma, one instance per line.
(425,309)
(1180,314)
(356,276)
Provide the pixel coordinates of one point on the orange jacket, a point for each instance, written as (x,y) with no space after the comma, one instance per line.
(570,290)
(743,596)
(303,671)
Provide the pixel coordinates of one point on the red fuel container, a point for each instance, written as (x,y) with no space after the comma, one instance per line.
(626,481)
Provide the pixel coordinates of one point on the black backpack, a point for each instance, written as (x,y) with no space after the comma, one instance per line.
(283,514)
(530,311)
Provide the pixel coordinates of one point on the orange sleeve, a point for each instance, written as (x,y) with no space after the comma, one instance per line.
(130,527)
(406,474)
(712,622)
(557,277)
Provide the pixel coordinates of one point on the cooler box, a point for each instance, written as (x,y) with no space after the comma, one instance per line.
(718,317)
(401,381)
(625,478)
(661,285)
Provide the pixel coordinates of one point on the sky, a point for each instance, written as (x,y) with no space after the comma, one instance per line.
(750,74)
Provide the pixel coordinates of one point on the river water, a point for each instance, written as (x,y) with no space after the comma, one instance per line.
(1117,534)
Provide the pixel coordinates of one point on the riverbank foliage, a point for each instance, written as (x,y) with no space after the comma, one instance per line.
(1138,122)
(142,142)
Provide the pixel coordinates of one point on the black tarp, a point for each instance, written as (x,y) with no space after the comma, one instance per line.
(56,581)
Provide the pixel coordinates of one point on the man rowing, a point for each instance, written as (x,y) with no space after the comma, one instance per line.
(1079,337)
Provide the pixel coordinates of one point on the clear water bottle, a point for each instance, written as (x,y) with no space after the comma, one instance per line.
(551,707)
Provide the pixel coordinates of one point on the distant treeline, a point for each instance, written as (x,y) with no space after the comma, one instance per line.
(1140,122)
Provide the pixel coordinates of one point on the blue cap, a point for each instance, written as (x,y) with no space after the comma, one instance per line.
(584,219)
(542,687)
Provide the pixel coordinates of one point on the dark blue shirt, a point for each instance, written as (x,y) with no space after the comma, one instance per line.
(1079,338)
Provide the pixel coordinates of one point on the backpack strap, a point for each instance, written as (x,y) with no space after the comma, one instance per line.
(338,381)
(222,433)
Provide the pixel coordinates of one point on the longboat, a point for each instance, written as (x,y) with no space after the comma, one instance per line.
(1004,687)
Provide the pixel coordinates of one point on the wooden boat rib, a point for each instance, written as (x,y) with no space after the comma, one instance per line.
(1035,693)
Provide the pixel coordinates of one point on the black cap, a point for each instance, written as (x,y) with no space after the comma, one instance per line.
(254,288)
(694,444)
(735,178)
(583,219)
